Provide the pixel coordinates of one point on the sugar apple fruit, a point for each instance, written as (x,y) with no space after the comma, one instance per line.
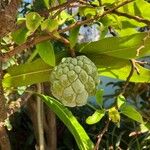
(73,80)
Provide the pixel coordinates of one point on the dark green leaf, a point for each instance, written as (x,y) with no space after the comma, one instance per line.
(81,137)
(33,20)
(46,51)
(131,112)
(96,117)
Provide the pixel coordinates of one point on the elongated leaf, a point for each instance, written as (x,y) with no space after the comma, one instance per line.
(46,51)
(73,36)
(27,74)
(95,117)
(121,47)
(119,68)
(46,2)
(38,71)
(131,112)
(99,97)
(81,137)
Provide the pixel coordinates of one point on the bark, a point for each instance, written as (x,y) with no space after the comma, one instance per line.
(50,126)
(8,14)
(4,140)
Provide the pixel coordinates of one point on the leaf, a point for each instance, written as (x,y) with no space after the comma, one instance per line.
(114,115)
(63,16)
(96,117)
(61,1)
(20,35)
(118,68)
(120,100)
(87,11)
(81,137)
(73,36)
(46,2)
(49,25)
(121,47)
(145,127)
(99,97)
(27,74)
(33,20)
(131,112)
(46,52)
(38,71)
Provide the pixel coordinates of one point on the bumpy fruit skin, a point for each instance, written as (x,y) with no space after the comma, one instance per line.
(73,80)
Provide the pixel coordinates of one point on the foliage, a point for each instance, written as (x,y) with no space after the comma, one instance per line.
(42,30)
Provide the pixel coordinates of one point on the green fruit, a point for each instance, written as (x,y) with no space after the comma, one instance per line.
(73,80)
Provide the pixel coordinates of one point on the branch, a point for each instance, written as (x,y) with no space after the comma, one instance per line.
(4,140)
(133,68)
(8,17)
(137,18)
(100,135)
(31,42)
(40,118)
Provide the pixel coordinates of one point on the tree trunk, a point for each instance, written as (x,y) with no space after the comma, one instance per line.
(4,140)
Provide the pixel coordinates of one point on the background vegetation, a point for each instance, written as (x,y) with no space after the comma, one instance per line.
(36,35)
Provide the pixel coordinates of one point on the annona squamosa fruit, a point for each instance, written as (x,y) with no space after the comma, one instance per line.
(73,80)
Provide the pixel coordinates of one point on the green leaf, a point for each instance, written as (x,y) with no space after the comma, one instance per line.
(33,21)
(49,25)
(46,52)
(73,36)
(99,97)
(120,100)
(81,137)
(63,16)
(118,68)
(46,2)
(27,74)
(145,127)
(20,35)
(131,112)
(87,11)
(114,115)
(38,71)
(96,117)
(61,1)
(121,47)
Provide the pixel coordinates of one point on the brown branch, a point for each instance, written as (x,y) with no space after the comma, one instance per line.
(4,140)
(8,17)
(100,135)
(133,68)
(34,41)
(137,18)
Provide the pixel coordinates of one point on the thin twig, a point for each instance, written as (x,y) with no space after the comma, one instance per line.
(100,135)
(137,18)
(133,68)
